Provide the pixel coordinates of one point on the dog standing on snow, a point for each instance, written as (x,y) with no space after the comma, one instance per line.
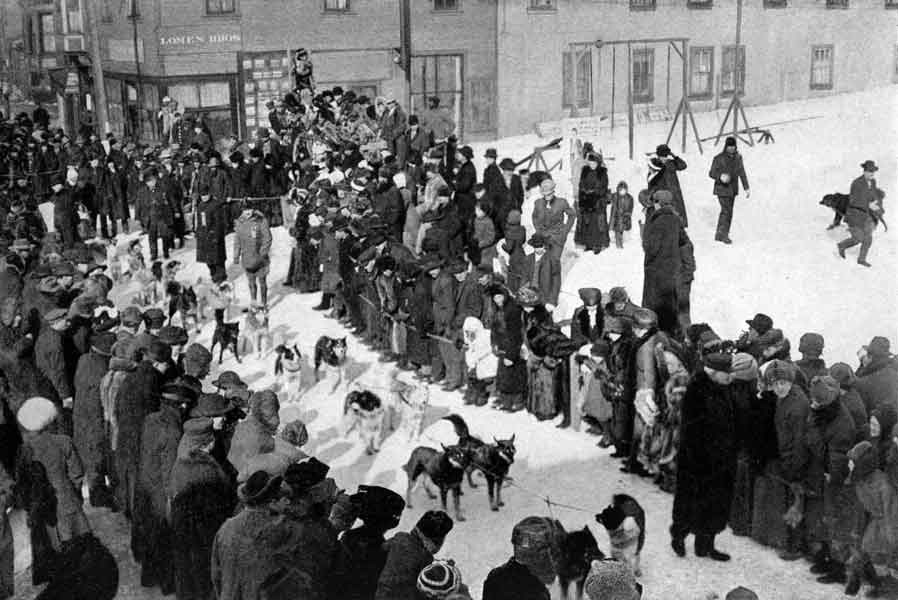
(363,409)
(288,370)
(624,520)
(409,403)
(256,330)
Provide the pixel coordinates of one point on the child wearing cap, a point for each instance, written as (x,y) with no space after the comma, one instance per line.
(621,213)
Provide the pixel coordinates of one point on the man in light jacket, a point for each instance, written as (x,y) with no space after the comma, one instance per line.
(252,244)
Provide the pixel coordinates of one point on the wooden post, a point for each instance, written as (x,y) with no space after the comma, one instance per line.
(667,102)
(613,81)
(140,106)
(101,116)
(630,95)
(685,94)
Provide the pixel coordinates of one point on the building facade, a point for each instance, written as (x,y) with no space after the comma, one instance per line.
(788,50)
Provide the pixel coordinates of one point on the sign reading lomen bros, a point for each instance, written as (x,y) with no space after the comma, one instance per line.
(216,41)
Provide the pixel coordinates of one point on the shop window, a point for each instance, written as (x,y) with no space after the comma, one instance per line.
(836,3)
(576,74)
(642,4)
(438,75)
(220,7)
(336,5)
(699,4)
(643,86)
(71,9)
(701,71)
(822,67)
(732,70)
(448,5)
(539,5)
(215,93)
(775,4)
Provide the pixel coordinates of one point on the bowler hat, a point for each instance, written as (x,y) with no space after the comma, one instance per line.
(507,164)
(869,166)
(491,153)
(131,316)
(467,152)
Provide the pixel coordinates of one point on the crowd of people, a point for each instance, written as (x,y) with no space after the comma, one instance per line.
(429,263)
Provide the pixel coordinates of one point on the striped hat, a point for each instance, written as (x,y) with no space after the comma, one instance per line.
(439,579)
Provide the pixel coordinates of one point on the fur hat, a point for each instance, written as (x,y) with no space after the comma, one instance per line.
(865,459)
(302,476)
(730,141)
(843,374)
(878,347)
(616,325)
(645,318)
(619,294)
(154,318)
(438,579)
(779,370)
(264,405)
(159,351)
(718,361)
(173,335)
(610,580)
(102,343)
(228,379)
(36,414)
(811,344)
(663,197)
(377,502)
(528,296)
(590,295)
(196,358)
(212,405)
(259,489)
(435,525)
(824,390)
(513,217)
(663,150)
(295,433)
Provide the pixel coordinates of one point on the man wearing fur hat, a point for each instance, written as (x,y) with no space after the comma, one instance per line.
(531,568)
(408,553)
(727,171)
(877,376)
(200,500)
(197,361)
(706,460)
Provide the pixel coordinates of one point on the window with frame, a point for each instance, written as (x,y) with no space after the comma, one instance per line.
(576,75)
(699,4)
(72,13)
(701,71)
(221,7)
(836,3)
(542,5)
(45,34)
(643,86)
(642,5)
(822,68)
(336,5)
(775,4)
(438,75)
(732,70)
(447,5)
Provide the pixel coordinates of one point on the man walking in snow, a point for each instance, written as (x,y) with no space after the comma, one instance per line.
(726,171)
(252,243)
(864,211)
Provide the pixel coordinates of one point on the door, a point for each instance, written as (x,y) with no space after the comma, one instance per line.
(439,75)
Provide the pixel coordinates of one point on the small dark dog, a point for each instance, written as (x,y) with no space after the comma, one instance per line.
(288,370)
(227,335)
(444,469)
(578,550)
(625,521)
(466,441)
(493,460)
(182,302)
(839,204)
(331,352)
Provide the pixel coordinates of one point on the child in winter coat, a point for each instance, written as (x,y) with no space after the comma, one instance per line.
(621,213)
(879,543)
(484,233)
(512,257)
(480,360)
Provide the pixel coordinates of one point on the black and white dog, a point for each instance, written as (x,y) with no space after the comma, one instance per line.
(625,521)
(288,370)
(332,353)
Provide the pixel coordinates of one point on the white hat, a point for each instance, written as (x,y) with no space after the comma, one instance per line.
(36,413)
(336,176)
(166,100)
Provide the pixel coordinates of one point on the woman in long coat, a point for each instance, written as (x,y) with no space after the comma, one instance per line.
(507,338)
(592,206)
(665,167)
(706,459)
(49,475)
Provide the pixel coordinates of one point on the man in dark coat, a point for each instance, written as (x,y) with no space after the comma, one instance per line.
(387,202)
(542,271)
(864,212)
(465,179)
(50,356)
(666,178)
(138,396)
(151,540)
(87,416)
(201,500)
(211,228)
(661,241)
(446,361)
(492,175)
(528,572)
(66,198)
(877,378)
(364,556)
(506,194)
(706,459)
(155,213)
(408,553)
(727,171)
(684,282)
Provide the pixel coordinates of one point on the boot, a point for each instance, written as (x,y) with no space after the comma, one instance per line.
(836,574)
(714,553)
(325,302)
(822,563)
(679,546)
(854,583)
(791,552)
(871,576)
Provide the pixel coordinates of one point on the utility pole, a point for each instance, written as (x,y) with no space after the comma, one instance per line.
(405,46)
(101,116)
(5,59)
(135,13)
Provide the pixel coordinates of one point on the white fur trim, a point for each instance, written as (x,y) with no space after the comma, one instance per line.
(36,413)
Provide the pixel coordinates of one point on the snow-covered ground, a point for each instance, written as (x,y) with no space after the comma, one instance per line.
(782,262)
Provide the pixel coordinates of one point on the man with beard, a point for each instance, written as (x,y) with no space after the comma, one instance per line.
(706,459)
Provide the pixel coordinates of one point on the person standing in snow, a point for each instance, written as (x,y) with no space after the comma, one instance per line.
(549,213)
(864,212)
(663,176)
(727,171)
(252,243)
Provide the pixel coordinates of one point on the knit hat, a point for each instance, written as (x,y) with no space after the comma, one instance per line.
(295,433)
(159,351)
(843,374)
(824,390)
(439,578)
(259,489)
(610,580)
(779,370)
(741,593)
(619,294)
(36,414)
(172,335)
(811,343)
(645,318)
(196,358)
(718,361)
(730,141)
(878,347)
(590,295)
(435,525)
(131,316)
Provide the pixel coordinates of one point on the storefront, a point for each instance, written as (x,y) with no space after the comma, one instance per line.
(126,115)
(210,97)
